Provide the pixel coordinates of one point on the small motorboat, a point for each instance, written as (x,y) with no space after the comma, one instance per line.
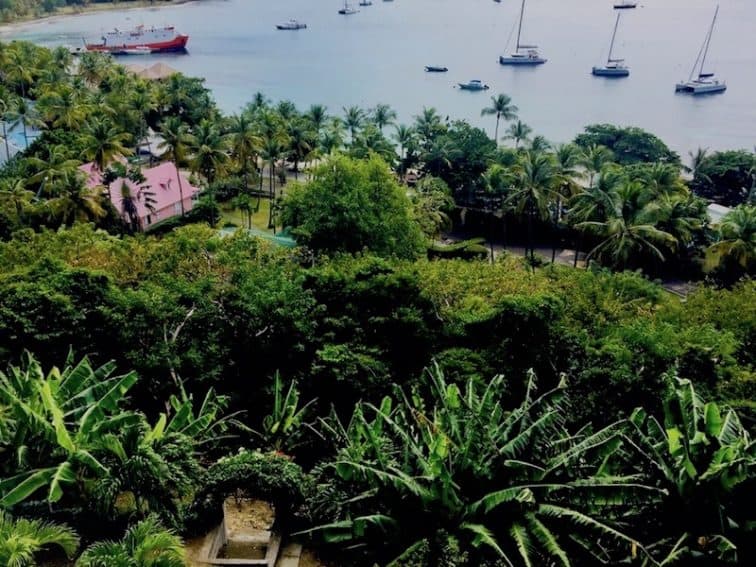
(138,50)
(474,85)
(292,25)
(435,69)
(366,3)
(625,5)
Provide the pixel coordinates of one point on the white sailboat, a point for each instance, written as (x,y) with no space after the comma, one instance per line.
(699,81)
(613,67)
(523,54)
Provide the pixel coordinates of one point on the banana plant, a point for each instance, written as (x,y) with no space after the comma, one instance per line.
(284,426)
(703,457)
(59,419)
(514,483)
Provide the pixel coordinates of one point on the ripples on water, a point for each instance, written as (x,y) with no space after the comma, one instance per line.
(378,55)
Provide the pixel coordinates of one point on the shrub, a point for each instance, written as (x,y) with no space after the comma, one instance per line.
(272,477)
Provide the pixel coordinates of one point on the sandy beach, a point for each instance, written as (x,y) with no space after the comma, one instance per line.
(31,21)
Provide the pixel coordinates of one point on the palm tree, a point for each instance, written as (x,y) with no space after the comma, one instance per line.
(593,203)
(22,539)
(502,107)
(333,137)
(383,115)
(146,544)
(4,105)
(736,240)
(104,144)
(287,110)
(405,136)
(18,67)
(354,118)
(93,66)
(697,159)
(317,115)
(682,216)
(301,143)
(175,145)
(14,192)
(537,182)
(428,126)
(23,113)
(209,151)
(519,132)
(62,107)
(53,168)
(272,150)
(129,204)
(594,158)
(245,143)
(628,232)
(140,104)
(74,201)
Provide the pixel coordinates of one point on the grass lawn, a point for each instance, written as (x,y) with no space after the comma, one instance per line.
(237,217)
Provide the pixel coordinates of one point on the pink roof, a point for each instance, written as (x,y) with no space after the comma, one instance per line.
(160,180)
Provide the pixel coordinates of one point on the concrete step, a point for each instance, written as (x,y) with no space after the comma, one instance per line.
(289,556)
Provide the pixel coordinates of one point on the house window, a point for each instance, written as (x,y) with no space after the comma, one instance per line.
(176,208)
(149,220)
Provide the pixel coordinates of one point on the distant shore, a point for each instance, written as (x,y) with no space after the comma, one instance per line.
(69,11)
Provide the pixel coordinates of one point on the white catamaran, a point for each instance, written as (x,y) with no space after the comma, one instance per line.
(614,67)
(699,81)
(523,54)
(347,10)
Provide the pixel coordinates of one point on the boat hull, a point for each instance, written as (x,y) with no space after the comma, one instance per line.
(177,44)
(522,61)
(698,89)
(610,72)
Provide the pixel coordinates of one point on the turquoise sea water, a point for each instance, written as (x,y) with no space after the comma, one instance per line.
(378,56)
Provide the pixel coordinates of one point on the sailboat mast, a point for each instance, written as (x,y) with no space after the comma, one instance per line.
(708,40)
(614,35)
(519,27)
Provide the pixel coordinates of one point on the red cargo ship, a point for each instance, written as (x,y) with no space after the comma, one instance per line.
(140,40)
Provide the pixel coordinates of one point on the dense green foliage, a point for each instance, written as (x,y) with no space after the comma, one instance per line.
(12,9)
(298,375)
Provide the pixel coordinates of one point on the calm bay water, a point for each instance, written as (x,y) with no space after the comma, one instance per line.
(378,55)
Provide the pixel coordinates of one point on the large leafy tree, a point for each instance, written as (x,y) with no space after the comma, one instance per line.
(727,177)
(351,205)
(629,145)
(460,471)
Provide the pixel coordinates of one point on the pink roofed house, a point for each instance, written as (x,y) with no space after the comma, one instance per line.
(155,200)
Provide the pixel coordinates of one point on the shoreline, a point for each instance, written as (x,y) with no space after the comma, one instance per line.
(72,11)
